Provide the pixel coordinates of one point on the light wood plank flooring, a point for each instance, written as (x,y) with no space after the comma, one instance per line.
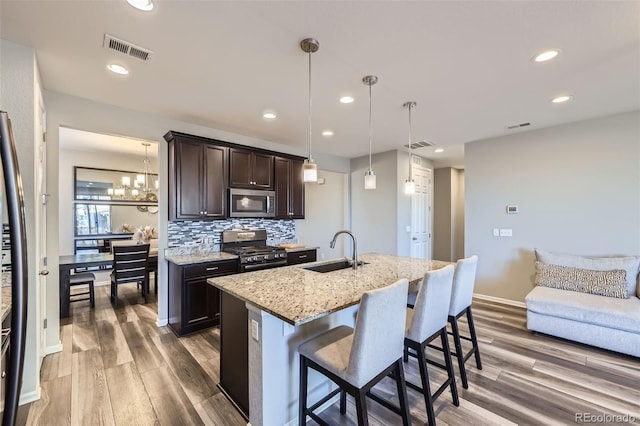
(117,367)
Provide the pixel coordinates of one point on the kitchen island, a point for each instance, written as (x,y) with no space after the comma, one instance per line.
(287,306)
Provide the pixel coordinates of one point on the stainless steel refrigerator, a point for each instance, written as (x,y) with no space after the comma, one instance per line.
(14,275)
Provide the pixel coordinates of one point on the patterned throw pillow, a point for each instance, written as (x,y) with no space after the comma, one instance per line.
(612,283)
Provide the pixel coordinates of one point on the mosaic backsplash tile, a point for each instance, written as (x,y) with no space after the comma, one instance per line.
(187,234)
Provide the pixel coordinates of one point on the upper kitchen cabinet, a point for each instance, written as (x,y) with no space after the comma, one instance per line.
(250,169)
(197,179)
(289,187)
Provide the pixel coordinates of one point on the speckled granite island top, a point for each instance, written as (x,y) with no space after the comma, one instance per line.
(188,259)
(296,295)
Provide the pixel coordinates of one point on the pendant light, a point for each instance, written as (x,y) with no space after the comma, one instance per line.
(370,176)
(409,184)
(310,168)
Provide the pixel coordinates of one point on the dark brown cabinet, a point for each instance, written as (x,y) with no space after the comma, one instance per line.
(193,303)
(197,180)
(301,256)
(250,169)
(289,188)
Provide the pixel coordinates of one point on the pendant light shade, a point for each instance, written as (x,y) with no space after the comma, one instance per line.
(370,176)
(409,184)
(310,168)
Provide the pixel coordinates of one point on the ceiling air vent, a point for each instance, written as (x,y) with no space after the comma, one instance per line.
(113,43)
(517,126)
(420,144)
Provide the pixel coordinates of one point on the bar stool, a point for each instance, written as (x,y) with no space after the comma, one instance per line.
(461,297)
(356,359)
(83,278)
(425,322)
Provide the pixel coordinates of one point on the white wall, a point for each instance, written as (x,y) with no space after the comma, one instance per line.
(578,190)
(448,230)
(78,113)
(326,212)
(103,160)
(19,89)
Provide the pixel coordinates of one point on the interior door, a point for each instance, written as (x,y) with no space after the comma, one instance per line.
(41,225)
(421,212)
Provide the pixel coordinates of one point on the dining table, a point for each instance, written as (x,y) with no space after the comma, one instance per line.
(68,263)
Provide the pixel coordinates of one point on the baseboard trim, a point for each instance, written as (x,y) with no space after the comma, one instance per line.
(499,300)
(162,322)
(28,397)
(53,349)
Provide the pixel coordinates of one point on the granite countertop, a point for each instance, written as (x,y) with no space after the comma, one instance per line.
(296,295)
(188,259)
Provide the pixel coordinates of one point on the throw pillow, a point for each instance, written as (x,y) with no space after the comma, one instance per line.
(610,283)
(630,264)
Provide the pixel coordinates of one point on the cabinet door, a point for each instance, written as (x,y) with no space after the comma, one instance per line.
(198,305)
(296,189)
(187,198)
(215,182)
(297,257)
(240,169)
(262,171)
(281,186)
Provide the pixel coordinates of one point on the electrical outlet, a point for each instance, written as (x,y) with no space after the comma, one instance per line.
(254,330)
(506,232)
(496,232)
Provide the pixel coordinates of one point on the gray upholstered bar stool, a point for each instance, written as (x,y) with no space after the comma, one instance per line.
(461,297)
(426,322)
(83,278)
(358,358)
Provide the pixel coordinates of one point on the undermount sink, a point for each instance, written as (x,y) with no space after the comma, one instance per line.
(333,266)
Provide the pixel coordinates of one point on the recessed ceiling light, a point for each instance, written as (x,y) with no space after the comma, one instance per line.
(145,5)
(438,150)
(269,115)
(346,99)
(327,132)
(561,99)
(547,55)
(118,69)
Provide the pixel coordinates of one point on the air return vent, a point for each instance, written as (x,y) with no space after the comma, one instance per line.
(113,43)
(420,144)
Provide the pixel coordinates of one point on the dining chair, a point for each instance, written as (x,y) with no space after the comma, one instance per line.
(129,265)
(427,321)
(357,358)
(461,297)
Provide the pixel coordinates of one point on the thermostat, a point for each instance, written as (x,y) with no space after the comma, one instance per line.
(512,209)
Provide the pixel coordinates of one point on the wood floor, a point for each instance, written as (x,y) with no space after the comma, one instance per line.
(117,367)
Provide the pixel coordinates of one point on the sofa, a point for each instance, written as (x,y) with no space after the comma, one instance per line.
(569,302)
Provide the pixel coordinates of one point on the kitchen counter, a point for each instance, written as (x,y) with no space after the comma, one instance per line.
(285,307)
(297,295)
(189,259)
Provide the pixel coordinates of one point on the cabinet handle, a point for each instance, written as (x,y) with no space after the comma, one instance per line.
(303,256)
(197,319)
(206,212)
(201,213)
(213,268)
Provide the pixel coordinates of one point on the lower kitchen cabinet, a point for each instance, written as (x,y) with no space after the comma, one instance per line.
(301,256)
(194,304)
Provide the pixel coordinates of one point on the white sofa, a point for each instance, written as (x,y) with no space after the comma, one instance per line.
(606,322)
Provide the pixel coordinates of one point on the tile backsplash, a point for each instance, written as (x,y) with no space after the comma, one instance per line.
(190,233)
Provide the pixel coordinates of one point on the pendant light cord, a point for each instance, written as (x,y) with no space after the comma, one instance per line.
(410,159)
(310,159)
(370,128)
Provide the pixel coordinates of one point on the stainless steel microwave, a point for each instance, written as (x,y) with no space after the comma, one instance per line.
(251,203)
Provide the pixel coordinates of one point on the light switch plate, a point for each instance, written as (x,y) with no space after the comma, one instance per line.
(496,232)
(506,232)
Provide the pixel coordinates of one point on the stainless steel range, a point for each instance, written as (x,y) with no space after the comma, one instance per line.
(252,249)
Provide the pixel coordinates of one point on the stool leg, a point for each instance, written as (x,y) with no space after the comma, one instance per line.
(474,339)
(343,402)
(426,389)
(92,296)
(402,393)
(361,407)
(447,362)
(302,398)
(456,341)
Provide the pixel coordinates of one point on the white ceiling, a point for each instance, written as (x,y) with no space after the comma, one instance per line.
(222,64)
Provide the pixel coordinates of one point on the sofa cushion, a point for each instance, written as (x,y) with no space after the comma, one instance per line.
(604,283)
(620,314)
(630,264)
